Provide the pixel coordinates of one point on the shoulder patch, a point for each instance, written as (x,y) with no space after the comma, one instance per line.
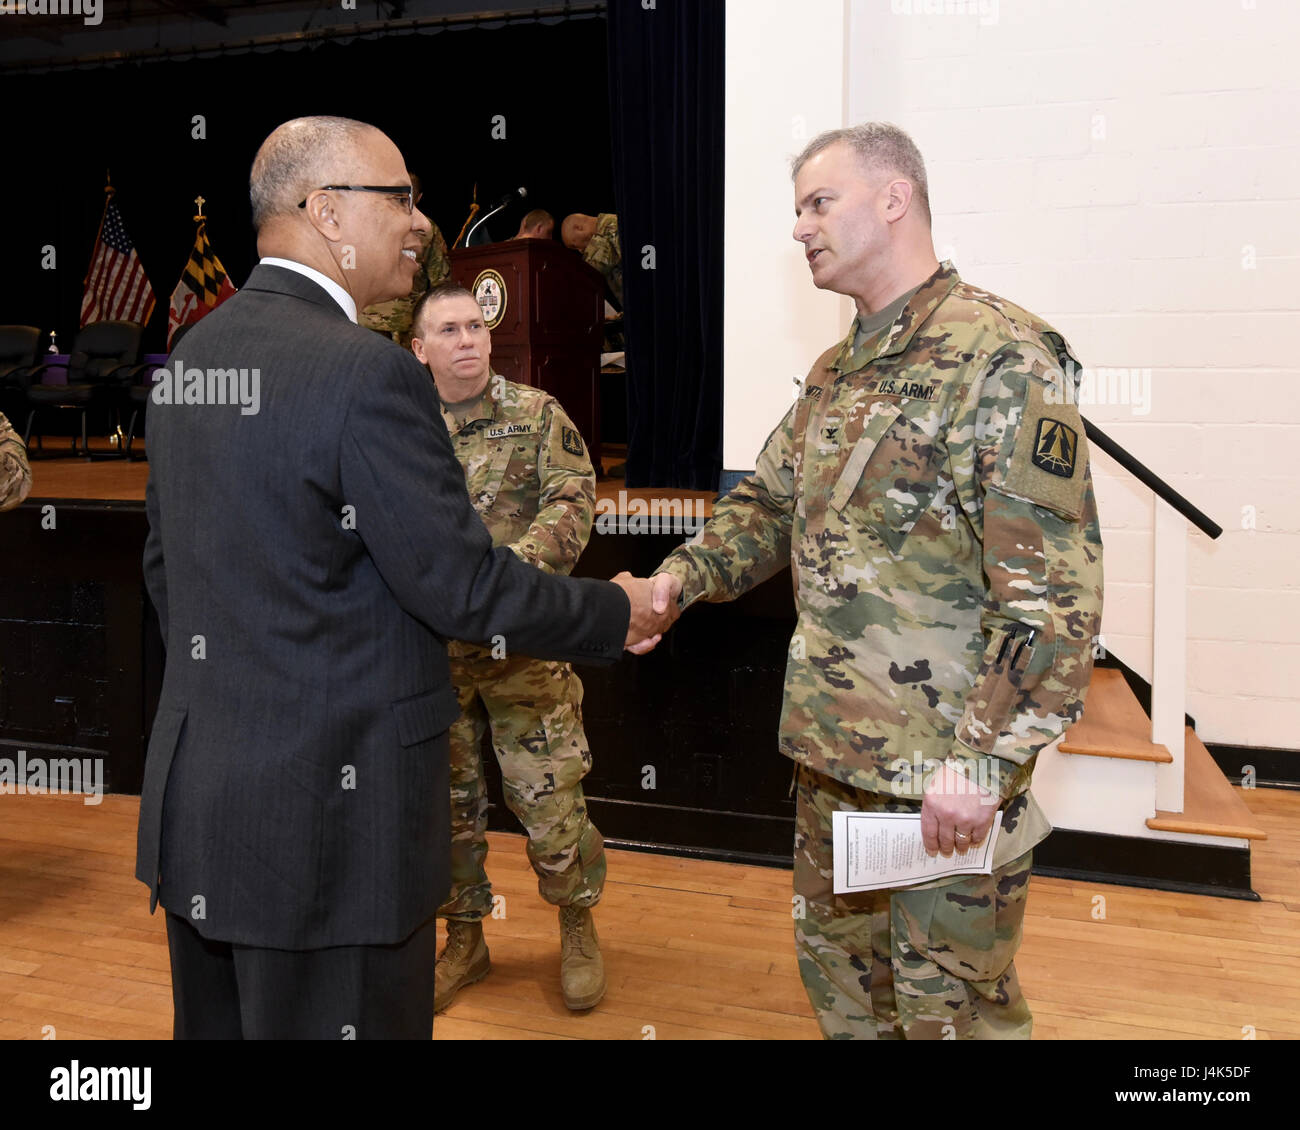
(571,441)
(1056,447)
(1050,459)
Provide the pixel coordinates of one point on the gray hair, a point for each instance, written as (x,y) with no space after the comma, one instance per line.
(299,156)
(880,146)
(442,290)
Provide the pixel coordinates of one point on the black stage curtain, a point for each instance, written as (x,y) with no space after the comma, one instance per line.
(434,94)
(667,117)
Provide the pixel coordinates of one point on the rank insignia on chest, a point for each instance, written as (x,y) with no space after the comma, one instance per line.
(504,430)
(1055,447)
(571,441)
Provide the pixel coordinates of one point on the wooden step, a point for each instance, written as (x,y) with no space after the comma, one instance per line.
(1211,806)
(1113,723)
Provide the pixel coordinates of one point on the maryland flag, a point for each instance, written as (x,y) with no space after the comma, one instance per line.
(204,284)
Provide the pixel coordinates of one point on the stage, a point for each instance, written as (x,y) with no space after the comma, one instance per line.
(58,475)
(84,660)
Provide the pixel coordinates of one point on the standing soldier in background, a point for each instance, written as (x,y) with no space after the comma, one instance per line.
(15,474)
(393,318)
(930,491)
(597,238)
(531,481)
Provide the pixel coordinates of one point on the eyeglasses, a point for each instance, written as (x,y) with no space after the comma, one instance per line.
(404,192)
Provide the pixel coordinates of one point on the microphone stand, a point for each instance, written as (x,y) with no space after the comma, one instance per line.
(482,220)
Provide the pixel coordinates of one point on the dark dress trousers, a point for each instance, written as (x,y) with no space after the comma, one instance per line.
(307,562)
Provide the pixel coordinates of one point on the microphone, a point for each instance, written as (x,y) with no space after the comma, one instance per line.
(519,193)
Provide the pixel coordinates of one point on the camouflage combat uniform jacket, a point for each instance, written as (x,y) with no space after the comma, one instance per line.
(931,494)
(605,253)
(393,318)
(529,477)
(15,474)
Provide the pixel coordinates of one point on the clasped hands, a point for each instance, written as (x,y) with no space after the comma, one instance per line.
(654,608)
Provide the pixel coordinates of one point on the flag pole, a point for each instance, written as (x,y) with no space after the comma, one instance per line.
(203,284)
(99,236)
(473,211)
(116,439)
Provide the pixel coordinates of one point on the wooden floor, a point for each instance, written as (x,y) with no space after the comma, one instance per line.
(694,950)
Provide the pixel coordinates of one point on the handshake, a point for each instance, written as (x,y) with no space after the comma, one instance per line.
(654,608)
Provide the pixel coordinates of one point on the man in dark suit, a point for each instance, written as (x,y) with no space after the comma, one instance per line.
(311,545)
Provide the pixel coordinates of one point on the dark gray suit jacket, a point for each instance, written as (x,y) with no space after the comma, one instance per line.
(307,563)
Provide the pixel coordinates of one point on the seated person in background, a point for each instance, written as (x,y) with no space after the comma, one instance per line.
(531,481)
(597,238)
(15,474)
(393,318)
(538,224)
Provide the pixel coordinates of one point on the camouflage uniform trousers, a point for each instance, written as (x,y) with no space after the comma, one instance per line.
(534,709)
(907,963)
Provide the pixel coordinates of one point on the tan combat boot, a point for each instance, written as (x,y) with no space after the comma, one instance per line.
(463,961)
(582,969)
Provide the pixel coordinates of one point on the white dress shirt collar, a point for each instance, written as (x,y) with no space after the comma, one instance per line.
(336,292)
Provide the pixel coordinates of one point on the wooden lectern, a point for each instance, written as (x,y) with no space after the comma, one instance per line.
(545,308)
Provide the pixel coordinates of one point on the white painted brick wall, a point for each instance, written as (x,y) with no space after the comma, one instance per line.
(1131,171)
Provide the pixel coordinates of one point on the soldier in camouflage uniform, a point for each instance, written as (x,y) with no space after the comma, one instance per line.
(930,490)
(15,474)
(597,238)
(531,481)
(393,318)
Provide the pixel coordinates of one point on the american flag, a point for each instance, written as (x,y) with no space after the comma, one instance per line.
(116,286)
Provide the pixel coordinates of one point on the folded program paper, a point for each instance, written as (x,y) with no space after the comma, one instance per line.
(884,849)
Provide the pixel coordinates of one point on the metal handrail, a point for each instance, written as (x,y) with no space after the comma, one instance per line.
(1141,472)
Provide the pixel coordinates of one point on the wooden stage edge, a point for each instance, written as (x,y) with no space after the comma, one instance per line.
(59,475)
